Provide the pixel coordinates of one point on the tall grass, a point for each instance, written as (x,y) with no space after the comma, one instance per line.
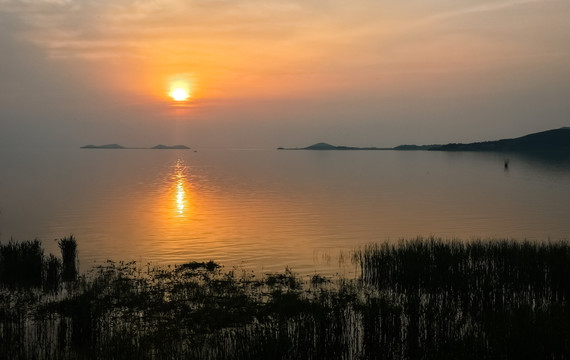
(68,247)
(21,264)
(52,273)
(419,299)
(534,268)
(506,298)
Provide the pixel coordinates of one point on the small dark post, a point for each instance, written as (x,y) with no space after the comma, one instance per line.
(506,164)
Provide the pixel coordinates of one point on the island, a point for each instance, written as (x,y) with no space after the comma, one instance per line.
(549,141)
(556,140)
(157,147)
(108,146)
(325,146)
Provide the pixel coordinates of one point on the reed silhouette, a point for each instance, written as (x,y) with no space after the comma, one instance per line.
(423,298)
(52,273)
(68,247)
(21,264)
(24,265)
(505,298)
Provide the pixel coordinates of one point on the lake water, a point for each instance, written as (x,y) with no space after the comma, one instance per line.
(266,209)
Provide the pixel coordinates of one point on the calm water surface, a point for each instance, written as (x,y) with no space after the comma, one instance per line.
(267,209)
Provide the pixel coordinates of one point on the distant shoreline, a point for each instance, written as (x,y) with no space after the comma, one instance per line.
(550,141)
(355,148)
(119,147)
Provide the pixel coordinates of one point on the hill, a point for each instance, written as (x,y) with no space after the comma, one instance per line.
(549,142)
(325,146)
(557,140)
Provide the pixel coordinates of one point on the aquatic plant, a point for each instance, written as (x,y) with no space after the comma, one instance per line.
(68,247)
(52,271)
(21,264)
(506,298)
(422,298)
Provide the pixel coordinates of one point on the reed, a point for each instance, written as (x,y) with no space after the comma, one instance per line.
(52,274)
(68,247)
(21,264)
(505,297)
(433,265)
(422,298)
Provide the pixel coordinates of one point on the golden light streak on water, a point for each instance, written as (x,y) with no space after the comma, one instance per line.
(181,199)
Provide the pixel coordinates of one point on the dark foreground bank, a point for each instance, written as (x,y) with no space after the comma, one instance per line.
(425,298)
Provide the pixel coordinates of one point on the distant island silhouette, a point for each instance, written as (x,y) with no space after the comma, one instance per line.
(108,146)
(117,146)
(556,140)
(551,141)
(325,146)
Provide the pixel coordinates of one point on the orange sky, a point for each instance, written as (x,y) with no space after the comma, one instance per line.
(284,73)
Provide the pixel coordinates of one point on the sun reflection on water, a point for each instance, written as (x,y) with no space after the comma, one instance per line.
(180,196)
(180,193)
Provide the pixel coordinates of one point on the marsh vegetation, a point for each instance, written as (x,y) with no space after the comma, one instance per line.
(423,298)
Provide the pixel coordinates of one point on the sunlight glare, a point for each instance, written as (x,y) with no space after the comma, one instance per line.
(180,200)
(180,195)
(179,94)
(180,89)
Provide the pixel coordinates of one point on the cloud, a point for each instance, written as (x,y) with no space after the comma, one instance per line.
(95,28)
(259,48)
(487,7)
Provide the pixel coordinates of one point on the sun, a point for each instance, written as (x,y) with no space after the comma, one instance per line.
(180,88)
(179,94)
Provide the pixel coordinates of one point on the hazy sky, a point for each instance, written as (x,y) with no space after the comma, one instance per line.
(266,73)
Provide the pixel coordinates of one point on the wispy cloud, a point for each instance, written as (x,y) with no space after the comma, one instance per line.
(80,28)
(298,44)
(481,8)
